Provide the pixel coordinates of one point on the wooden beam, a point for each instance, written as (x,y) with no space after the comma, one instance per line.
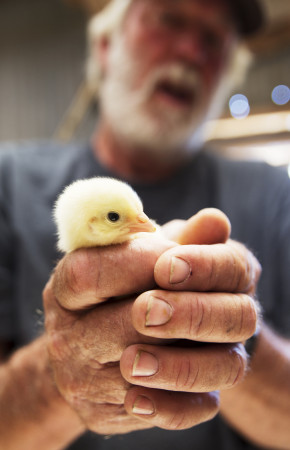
(254,125)
(274,38)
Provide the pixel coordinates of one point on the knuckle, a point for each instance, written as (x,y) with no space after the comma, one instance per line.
(70,390)
(47,291)
(258,269)
(247,277)
(237,271)
(239,267)
(81,387)
(178,421)
(80,390)
(201,317)
(196,318)
(59,347)
(246,268)
(192,410)
(77,266)
(249,316)
(211,405)
(46,299)
(186,375)
(213,271)
(73,279)
(238,365)
(53,315)
(241,319)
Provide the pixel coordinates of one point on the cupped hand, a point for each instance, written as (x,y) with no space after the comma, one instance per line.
(86,334)
(125,365)
(205,303)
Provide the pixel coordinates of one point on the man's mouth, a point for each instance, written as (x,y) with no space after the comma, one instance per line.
(174,94)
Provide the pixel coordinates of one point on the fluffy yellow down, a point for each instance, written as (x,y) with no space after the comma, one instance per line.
(98,211)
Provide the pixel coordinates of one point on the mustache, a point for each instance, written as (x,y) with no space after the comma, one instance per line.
(174,74)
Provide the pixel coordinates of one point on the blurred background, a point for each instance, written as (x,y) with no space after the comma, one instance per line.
(43,94)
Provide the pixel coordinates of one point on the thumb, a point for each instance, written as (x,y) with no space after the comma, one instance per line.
(208,226)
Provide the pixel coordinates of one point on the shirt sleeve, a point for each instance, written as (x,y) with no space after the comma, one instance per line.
(275,228)
(281,310)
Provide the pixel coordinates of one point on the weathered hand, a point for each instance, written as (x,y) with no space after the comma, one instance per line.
(89,335)
(206,297)
(85,342)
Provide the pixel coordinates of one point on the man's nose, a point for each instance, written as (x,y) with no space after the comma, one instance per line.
(189,47)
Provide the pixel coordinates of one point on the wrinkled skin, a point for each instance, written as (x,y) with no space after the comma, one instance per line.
(114,364)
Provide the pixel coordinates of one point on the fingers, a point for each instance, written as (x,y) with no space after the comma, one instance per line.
(89,276)
(201,369)
(84,348)
(179,382)
(173,229)
(226,267)
(171,411)
(205,317)
(106,419)
(208,226)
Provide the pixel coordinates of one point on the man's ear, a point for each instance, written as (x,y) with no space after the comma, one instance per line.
(102,50)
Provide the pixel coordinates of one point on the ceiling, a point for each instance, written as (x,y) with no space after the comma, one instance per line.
(275,9)
(42,49)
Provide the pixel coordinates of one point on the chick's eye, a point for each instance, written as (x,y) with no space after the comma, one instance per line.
(113,216)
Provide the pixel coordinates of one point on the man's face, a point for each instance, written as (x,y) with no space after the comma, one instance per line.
(163,68)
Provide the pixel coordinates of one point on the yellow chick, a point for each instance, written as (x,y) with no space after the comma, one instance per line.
(98,211)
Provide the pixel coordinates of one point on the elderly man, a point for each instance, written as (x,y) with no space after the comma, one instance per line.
(150,336)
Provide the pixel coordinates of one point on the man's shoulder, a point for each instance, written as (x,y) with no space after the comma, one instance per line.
(41,169)
(246,173)
(235,165)
(41,151)
(40,160)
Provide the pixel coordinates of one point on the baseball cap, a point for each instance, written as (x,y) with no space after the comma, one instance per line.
(248,15)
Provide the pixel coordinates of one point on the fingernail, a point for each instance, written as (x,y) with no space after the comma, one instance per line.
(143,405)
(158,312)
(180,270)
(145,364)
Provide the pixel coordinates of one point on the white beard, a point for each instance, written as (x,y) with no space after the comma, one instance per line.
(160,130)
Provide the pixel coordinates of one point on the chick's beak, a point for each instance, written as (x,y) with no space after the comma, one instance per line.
(142,223)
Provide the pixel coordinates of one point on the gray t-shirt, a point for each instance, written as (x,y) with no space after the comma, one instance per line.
(255,197)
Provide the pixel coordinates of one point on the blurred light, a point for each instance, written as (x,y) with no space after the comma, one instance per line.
(281,95)
(239,106)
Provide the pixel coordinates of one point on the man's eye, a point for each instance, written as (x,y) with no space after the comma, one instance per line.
(113,216)
(172,21)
